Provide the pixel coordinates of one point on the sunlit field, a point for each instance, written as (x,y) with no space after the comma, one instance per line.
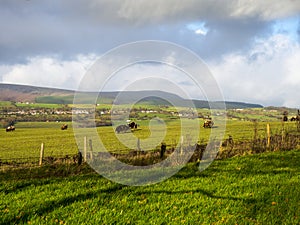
(256,189)
(26,140)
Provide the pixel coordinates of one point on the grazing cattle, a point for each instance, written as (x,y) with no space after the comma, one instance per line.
(297,117)
(10,128)
(122,128)
(132,125)
(64,127)
(208,123)
(285,118)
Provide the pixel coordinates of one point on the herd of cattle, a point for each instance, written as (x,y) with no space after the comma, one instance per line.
(294,118)
(208,123)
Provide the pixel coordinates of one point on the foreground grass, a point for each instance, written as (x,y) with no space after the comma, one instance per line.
(257,189)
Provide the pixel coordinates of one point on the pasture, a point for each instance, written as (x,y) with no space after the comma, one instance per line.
(253,189)
(256,189)
(26,140)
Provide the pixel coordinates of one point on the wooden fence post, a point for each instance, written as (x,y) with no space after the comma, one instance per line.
(84,148)
(91,149)
(282,134)
(181,145)
(268,135)
(138,145)
(41,154)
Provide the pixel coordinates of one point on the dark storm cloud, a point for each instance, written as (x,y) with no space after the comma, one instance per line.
(66,28)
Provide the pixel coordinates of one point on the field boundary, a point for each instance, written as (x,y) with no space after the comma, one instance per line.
(229,148)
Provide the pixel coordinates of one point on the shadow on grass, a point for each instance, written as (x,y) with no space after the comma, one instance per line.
(209,194)
(17,179)
(260,164)
(111,192)
(52,205)
(266,164)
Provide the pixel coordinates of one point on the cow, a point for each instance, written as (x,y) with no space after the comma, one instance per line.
(64,127)
(122,128)
(10,128)
(133,125)
(208,123)
(297,117)
(125,128)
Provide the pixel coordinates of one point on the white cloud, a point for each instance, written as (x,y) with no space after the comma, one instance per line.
(48,72)
(198,28)
(152,76)
(268,74)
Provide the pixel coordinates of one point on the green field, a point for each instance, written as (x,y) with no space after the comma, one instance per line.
(26,140)
(253,189)
(5,103)
(39,105)
(257,189)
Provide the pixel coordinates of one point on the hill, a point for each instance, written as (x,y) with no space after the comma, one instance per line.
(25,93)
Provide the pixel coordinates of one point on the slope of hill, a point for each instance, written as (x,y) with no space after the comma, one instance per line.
(24,93)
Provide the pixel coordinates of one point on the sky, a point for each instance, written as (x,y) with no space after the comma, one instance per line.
(251,47)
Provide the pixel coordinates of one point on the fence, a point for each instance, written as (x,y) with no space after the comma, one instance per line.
(282,140)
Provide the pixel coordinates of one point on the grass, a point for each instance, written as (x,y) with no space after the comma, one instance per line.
(26,140)
(40,105)
(5,104)
(68,99)
(257,189)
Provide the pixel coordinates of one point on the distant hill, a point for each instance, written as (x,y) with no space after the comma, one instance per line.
(25,93)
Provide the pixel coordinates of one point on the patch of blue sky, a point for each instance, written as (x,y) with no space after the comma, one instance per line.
(289,27)
(198,28)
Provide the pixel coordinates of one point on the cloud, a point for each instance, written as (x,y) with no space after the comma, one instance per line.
(268,74)
(156,11)
(48,72)
(68,28)
(141,76)
(43,42)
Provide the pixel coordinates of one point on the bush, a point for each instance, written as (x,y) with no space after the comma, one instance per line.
(7,122)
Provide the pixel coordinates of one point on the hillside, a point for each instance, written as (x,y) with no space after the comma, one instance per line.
(24,93)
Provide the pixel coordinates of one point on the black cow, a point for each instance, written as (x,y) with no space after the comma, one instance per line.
(296,118)
(132,125)
(64,127)
(122,128)
(10,128)
(208,123)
